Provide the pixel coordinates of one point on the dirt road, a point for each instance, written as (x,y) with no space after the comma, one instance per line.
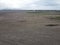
(21,28)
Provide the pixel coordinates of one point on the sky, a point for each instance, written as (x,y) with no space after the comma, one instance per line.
(30,4)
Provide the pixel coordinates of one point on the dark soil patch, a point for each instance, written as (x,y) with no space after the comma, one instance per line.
(52,25)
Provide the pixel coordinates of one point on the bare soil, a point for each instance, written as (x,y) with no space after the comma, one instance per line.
(21,28)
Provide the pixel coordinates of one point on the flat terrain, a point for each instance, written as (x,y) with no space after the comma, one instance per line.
(22,28)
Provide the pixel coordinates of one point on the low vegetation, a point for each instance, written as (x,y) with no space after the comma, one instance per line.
(56,17)
(45,12)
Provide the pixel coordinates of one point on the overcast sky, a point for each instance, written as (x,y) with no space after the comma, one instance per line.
(30,4)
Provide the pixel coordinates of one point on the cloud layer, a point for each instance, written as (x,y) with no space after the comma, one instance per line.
(30,4)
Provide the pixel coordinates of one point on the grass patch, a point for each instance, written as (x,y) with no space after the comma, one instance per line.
(56,17)
(44,13)
(34,12)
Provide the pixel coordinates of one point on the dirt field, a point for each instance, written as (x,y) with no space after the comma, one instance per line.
(21,28)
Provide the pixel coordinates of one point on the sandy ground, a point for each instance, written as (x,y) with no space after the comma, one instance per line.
(21,28)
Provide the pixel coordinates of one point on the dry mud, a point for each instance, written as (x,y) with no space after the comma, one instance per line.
(21,28)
